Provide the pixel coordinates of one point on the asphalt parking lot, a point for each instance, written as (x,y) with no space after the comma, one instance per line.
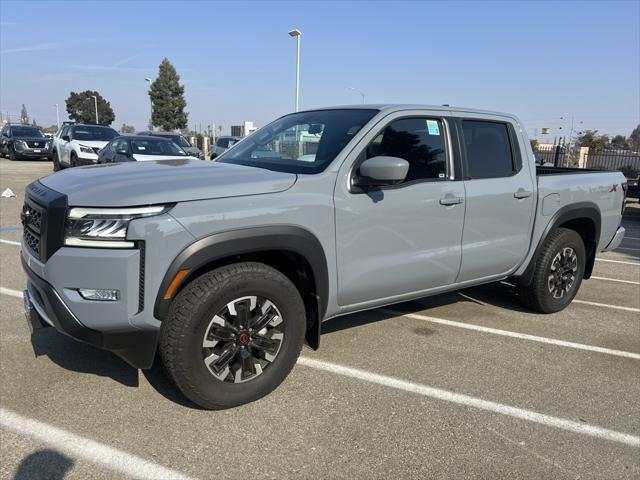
(463,385)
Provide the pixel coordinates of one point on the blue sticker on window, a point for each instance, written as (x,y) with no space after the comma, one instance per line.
(432,127)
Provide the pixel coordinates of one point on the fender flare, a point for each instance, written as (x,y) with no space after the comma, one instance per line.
(565,214)
(250,240)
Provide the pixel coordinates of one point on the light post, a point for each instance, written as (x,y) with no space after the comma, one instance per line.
(359,91)
(95,101)
(297,33)
(57,116)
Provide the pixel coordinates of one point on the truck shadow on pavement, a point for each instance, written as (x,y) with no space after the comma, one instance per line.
(45,464)
(78,357)
(494,294)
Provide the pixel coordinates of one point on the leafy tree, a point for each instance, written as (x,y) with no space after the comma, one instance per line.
(619,142)
(592,139)
(33,123)
(81,108)
(51,129)
(634,139)
(24,116)
(167,99)
(127,128)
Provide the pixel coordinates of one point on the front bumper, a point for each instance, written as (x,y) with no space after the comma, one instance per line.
(45,307)
(33,153)
(616,240)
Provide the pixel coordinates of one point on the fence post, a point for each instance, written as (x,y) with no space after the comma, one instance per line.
(556,157)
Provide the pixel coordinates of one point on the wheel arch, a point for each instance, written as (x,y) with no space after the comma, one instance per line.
(585,219)
(292,250)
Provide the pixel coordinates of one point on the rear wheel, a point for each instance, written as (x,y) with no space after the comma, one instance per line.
(558,273)
(233,335)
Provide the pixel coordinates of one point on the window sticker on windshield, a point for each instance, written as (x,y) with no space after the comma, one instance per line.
(432,127)
(140,147)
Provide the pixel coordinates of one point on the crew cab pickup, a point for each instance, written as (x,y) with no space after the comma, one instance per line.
(228,267)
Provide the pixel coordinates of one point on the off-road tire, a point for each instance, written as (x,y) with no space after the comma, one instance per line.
(182,333)
(537,295)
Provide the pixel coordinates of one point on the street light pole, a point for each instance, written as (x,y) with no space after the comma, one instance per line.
(150,106)
(58,116)
(297,33)
(359,91)
(95,100)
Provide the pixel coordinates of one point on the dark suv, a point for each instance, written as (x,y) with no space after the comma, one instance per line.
(22,142)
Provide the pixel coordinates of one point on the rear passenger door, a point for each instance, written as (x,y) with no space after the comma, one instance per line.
(499,198)
(402,239)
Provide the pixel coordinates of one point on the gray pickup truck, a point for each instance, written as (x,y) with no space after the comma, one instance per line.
(229,267)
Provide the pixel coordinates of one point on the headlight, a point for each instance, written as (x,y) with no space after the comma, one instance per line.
(104,227)
(85,149)
(20,145)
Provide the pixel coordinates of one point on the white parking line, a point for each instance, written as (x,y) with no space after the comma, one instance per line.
(468,401)
(522,336)
(631,238)
(614,280)
(11,292)
(617,261)
(628,248)
(606,305)
(90,450)
(9,242)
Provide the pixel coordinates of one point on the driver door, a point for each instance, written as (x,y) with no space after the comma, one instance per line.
(398,240)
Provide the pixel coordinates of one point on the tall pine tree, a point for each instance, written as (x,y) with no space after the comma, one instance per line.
(167,99)
(24,116)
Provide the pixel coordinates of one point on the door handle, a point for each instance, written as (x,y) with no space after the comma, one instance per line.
(522,193)
(450,200)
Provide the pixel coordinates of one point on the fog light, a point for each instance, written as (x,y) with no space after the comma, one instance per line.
(100,294)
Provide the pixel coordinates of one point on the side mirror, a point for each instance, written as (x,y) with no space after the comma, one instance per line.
(66,138)
(380,171)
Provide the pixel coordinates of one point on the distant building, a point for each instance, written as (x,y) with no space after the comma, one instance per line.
(243,130)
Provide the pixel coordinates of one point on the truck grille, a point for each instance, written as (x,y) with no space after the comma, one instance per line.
(43,216)
(36,143)
(32,221)
(33,242)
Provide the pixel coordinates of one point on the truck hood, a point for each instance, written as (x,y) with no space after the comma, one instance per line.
(144,183)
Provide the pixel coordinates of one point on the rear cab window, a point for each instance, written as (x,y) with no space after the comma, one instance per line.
(491,149)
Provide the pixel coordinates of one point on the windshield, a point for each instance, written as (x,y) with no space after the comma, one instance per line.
(182,141)
(96,134)
(156,146)
(26,132)
(305,142)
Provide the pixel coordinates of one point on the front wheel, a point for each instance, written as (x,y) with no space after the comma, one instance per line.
(57,166)
(233,335)
(558,273)
(12,152)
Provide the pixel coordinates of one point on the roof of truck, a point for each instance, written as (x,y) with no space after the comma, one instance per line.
(392,107)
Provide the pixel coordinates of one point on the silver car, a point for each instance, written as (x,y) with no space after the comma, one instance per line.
(222,145)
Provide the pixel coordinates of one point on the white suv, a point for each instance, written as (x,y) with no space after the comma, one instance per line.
(79,144)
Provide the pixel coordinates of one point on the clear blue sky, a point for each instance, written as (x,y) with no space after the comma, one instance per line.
(539,60)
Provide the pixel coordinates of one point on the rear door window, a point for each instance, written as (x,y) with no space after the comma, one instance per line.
(488,149)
